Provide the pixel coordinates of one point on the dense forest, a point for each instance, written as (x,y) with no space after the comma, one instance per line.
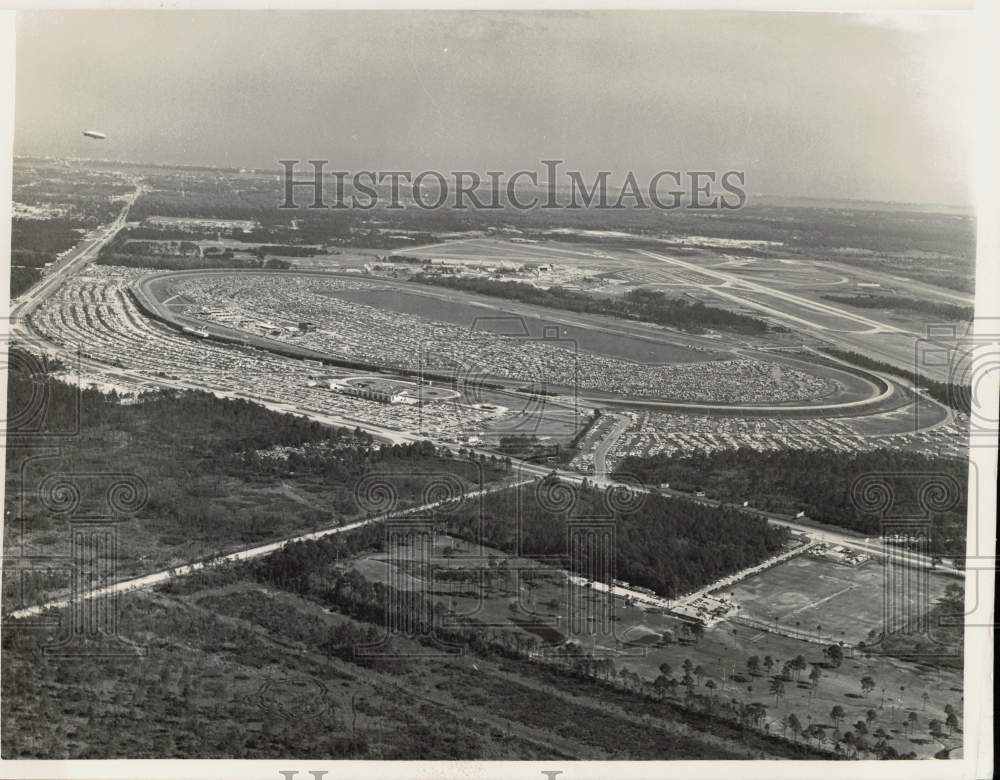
(21,279)
(958,397)
(34,243)
(640,304)
(816,482)
(175,250)
(188,263)
(670,545)
(949,311)
(210,424)
(44,236)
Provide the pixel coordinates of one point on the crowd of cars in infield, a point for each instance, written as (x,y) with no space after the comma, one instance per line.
(274,304)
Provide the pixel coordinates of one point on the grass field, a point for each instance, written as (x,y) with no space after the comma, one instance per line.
(846,601)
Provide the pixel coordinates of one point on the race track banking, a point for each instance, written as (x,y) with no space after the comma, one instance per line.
(856,391)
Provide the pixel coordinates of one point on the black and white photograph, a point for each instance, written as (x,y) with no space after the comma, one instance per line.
(510,385)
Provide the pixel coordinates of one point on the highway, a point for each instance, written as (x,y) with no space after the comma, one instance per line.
(528,473)
(74,260)
(619,426)
(815,532)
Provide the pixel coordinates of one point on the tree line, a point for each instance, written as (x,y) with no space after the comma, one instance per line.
(671,546)
(318,570)
(817,482)
(209,437)
(22,279)
(640,304)
(941,309)
(188,263)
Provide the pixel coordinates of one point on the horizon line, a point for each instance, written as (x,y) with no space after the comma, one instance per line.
(968,207)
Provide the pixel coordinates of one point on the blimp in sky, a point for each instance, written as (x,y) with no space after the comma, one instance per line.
(94,134)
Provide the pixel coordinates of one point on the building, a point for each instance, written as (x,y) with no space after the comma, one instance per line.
(375,390)
(193,223)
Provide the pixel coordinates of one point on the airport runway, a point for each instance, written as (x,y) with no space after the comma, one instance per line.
(878,340)
(738,283)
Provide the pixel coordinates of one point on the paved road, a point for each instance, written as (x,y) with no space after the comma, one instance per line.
(949,413)
(74,260)
(165,575)
(833,536)
(620,423)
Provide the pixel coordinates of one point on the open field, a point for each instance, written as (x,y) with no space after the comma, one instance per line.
(525,596)
(807,591)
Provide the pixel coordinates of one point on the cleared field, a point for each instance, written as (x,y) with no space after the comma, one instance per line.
(807,591)
(506,593)
(489,249)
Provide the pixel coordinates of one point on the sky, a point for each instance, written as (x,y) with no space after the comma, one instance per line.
(873,106)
